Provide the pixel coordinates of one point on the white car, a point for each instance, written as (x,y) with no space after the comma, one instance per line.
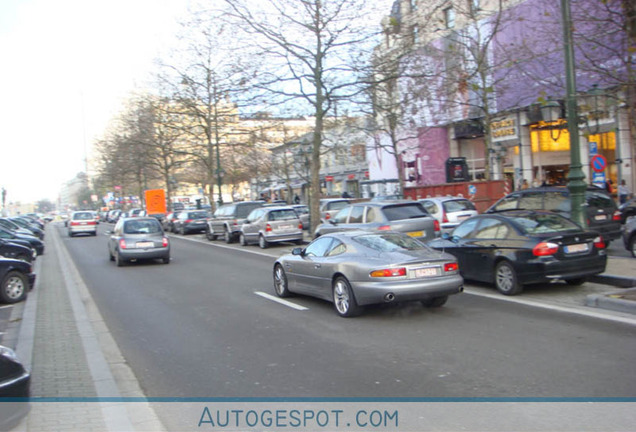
(82,222)
(450,211)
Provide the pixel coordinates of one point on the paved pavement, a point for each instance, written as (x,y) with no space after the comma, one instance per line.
(60,336)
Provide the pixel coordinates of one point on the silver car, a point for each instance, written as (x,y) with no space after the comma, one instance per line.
(82,222)
(329,207)
(359,268)
(267,225)
(138,238)
(408,217)
(450,211)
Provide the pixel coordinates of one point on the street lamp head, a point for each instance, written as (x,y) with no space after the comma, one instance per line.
(551,112)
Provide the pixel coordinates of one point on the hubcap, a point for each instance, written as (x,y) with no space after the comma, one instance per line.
(341,297)
(280,280)
(261,242)
(504,278)
(14,287)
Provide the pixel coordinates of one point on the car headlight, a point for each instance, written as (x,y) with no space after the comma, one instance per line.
(8,353)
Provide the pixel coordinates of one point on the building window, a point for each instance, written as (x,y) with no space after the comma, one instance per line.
(475,6)
(413,5)
(416,34)
(449,17)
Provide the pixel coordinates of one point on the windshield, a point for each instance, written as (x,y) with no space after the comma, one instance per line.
(390,242)
(544,223)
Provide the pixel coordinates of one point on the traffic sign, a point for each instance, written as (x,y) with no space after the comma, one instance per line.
(598,163)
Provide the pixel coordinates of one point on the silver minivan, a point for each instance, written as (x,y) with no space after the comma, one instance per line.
(450,211)
(267,225)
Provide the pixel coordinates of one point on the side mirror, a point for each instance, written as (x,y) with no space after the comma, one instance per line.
(297,251)
(332,222)
(446,236)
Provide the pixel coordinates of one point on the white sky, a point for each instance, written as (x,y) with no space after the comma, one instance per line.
(66,65)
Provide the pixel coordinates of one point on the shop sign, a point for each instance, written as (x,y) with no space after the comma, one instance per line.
(329,178)
(351,176)
(504,130)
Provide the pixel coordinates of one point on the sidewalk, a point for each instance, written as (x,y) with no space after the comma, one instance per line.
(61,337)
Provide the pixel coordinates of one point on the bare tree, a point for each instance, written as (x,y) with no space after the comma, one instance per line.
(315,51)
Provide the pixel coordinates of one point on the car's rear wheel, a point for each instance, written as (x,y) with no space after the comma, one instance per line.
(576,281)
(632,245)
(209,235)
(228,236)
(435,302)
(14,287)
(182,230)
(343,300)
(262,242)
(242,239)
(506,279)
(166,260)
(119,261)
(280,282)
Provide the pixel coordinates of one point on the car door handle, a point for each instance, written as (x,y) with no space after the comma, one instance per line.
(317,266)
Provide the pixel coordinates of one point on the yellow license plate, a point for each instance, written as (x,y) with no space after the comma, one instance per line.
(417,234)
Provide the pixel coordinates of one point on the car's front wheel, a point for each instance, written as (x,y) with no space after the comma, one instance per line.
(228,236)
(262,242)
(14,287)
(280,282)
(209,235)
(242,239)
(343,299)
(506,279)
(631,246)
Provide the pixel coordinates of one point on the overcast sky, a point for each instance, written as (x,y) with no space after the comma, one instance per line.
(66,67)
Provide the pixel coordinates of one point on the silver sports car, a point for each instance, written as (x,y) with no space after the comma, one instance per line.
(357,268)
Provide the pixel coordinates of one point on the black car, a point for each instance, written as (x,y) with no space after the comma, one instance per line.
(189,221)
(15,382)
(12,226)
(629,236)
(16,278)
(516,248)
(16,251)
(24,223)
(601,211)
(627,209)
(33,241)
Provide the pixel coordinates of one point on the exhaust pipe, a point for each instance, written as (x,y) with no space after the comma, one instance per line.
(461,288)
(389,297)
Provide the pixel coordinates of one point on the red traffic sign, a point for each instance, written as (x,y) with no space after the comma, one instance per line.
(598,163)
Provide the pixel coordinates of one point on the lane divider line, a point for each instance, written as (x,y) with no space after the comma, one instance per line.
(281,301)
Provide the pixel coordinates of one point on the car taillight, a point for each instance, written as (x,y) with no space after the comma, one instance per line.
(122,244)
(394,272)
(617,216)
(188,220)
(73,223)
(268,228)
(451,267)
(165,242)
(300,225)
(545,249)
(599,243)
(327,216)
(436,223)
(384,228)
(92,223)
(444,217)
(235,222)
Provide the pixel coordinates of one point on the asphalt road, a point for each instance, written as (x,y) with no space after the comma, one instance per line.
(196,328)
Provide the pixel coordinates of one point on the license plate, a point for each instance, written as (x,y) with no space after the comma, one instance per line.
(417,234)
(600,217)
(145,244)
(582,247)
(285,227)
(426,272)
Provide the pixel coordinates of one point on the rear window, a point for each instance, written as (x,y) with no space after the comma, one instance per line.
(458,205)
(337,205)
(242,211)
(599,200)
(83,216)
(142,227)
(278,215)
(544,223)
(408,211)
(198,215)
(390,242)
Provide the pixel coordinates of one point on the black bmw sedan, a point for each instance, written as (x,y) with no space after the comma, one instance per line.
(516,248)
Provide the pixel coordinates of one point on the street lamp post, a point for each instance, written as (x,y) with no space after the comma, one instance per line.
(576,177)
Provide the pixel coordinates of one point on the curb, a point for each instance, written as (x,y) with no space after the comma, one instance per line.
(617,281)
(613,301)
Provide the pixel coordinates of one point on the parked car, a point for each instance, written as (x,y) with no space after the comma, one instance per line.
(329,207)
(138,238)
(12,226)
(15,382)
(600,209)
(628,210)
(168,221)
(448,210)
(228,219)
(629,236)
(267,225)
(27,225)
(33,220)
(23,239)
(82,222)
(190,221)
(303,214)
(393,197)
(16,278)
(516,248)
(113,215)
(136,212)
(409,217)
(16,251)
(358,268)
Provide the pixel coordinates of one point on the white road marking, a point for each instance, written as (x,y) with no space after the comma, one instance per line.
(6,307)
(216,244)
(281,301)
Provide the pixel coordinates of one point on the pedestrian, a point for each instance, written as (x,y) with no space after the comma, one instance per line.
(623,192)
(608,186)
(345,194)
(524,184)
(296,199)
